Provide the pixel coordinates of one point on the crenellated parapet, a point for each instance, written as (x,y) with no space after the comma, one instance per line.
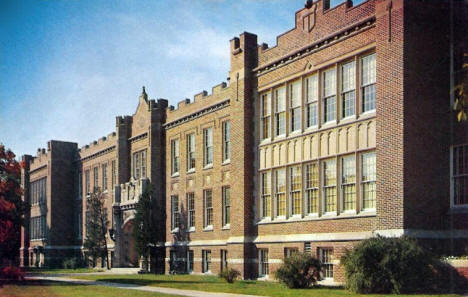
(105,143)
(202,100)
(316,26)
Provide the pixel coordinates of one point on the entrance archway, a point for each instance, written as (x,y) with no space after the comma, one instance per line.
(130,257)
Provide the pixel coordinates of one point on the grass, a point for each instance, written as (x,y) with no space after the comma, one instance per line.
(215,284)
(61,270)
(56,289)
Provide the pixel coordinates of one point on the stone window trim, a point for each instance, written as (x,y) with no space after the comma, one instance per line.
(459,177)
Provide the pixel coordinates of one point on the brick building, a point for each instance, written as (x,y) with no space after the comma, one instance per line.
(341,131)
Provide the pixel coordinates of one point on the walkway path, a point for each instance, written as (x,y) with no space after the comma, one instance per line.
(172,291)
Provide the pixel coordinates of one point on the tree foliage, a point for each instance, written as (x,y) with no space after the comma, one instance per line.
(12,208)
(96,226)
(389,265)
(146,226)
(300,270)
(461,97)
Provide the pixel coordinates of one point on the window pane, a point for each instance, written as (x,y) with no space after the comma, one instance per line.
(312,88)
(329,82)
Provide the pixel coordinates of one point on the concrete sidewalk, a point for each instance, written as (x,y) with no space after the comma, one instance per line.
(171,291)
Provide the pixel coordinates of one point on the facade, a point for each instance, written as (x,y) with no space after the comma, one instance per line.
(341,131)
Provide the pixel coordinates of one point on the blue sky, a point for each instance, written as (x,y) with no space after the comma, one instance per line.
(68,67)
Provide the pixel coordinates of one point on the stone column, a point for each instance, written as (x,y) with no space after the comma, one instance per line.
(117,213)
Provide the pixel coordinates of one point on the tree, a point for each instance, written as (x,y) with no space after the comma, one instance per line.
(461,98)
(96,227)
(146,226)
(12,208)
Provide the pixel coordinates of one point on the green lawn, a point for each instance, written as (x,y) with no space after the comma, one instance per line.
(215,284)
(56,289)
(61,270)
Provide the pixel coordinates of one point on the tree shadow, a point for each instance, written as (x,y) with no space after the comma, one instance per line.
(180,239)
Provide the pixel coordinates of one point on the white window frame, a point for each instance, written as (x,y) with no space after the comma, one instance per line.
(226,203)
(280,111)
(265,116)
(368,181)
(310,189)
(329,93)
(326,260)
(191,157)
(175,156)
(280,194)
(312,97)
(345,183)
(208,147)
(207,261)
(208,209)
(226,141)
(325,187)
(368,83)
(266,195)
(454,175)
(292,192)
(191,210)
(348,88)
(263,267)
(175,212)
(295,106)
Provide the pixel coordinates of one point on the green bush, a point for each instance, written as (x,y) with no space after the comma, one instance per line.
(230,275)
(389,265)
(300,270)
(73,263)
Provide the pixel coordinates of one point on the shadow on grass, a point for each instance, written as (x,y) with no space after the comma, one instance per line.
(34,282)
(148,282)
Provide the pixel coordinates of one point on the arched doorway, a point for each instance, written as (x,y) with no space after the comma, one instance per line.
(129,255)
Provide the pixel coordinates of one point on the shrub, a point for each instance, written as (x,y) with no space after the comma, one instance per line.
(300,270)
(229,274)
(389,265)
(73,263)
(11,272)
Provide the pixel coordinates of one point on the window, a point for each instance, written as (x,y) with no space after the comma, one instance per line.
(368,180)
(139,164)
(288,252)
(280,111)
(312,99)
(295,95)
(172,261)
(312,188)
(175,212)
(191,151)
(226,141)
(206,254)
(368,78)
(348,85)
(329,185)
(266,194)
(296,190)
(208,145)
(79,223)
(224,259)
(266,114)
(226,206)
(191,209)
(280,185)
(329,95)
(307,247)
(104,176)
(263,262)
(38,191)
(325,257)
(37,227)
(348,182)
(114,174)
(96,177)
(80,185)
(175,156)
(189,261)
(460,175)
(208,205)
(87,182)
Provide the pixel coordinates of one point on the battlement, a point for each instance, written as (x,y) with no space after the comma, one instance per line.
(314,23)
(102,143)
(219,93)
